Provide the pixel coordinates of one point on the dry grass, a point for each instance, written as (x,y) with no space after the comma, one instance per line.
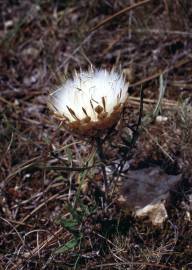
(48,197)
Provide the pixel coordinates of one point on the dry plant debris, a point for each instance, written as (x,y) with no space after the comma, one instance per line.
(52,214)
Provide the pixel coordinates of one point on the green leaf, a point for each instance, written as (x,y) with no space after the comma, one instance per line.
(162,88)
(76,215)
(60,177)
(69,224)
(69,154)
(68,246)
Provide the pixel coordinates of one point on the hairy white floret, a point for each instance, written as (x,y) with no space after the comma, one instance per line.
(86,91)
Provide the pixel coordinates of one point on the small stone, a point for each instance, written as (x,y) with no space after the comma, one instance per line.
(146,192)
(8,24)
(161,119)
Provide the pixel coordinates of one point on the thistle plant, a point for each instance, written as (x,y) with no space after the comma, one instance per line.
(90,104)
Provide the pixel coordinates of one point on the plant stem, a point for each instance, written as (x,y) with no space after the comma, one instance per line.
(101,155)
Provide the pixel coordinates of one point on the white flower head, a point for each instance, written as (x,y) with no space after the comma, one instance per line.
(90,102)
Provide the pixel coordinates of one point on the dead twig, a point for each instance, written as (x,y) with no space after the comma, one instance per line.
(166,70)
(91,31)
(126,9)
(36,250)
(19,169)
(160,147)
(161,266)
(168,103)
(38,208)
